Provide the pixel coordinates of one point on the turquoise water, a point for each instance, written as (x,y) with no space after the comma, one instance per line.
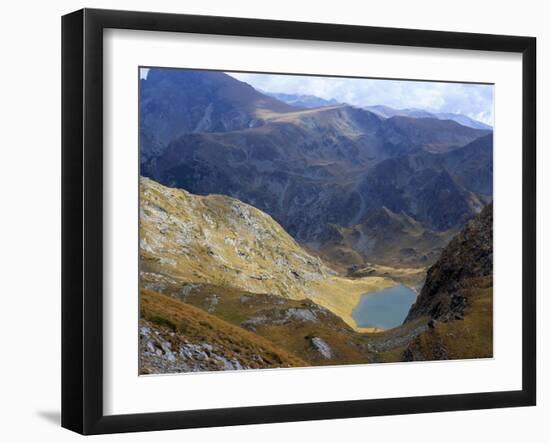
(384,309)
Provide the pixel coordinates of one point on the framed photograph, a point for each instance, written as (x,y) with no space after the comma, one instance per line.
(270,221)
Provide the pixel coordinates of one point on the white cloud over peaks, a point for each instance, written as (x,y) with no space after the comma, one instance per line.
(473,100)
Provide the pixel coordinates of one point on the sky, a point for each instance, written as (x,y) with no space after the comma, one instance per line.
(473,100)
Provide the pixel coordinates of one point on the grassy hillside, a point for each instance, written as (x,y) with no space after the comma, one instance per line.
(467,337)
(458,297)
(177,337)
(297,326)
(221,241)
(224,287)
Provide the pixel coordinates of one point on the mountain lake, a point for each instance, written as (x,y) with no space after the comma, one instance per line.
(384,309)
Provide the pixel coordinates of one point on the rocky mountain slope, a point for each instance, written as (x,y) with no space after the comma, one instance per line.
(467,258)
(301,327)
(177,337)
(262,224)
(174,102)
(224,287)
(457,297)
(218,240)
(441,191)
(393,239)
(311,168)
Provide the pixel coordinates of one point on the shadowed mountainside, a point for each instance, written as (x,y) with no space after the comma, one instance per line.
(174,102)
(314,169)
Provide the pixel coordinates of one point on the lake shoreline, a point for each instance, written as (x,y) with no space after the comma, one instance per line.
(384,309)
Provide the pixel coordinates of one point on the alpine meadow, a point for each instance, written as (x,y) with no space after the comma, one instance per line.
(302,220)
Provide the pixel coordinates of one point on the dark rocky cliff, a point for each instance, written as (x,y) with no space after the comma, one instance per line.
(469,256)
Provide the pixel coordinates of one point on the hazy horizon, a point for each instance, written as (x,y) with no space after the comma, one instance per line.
(472,100)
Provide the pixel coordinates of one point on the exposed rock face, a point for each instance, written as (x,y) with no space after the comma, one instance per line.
(219,240)
(281,317)
(322,347)
(468,256)
(159,355)
(177,337)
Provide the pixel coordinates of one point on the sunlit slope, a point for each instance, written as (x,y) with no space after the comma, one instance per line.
(221,241)
(177,337)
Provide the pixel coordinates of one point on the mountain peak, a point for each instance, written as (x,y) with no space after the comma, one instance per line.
(174,102)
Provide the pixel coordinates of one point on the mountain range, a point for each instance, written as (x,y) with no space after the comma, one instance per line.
(311,101)
(302,100)
(265,219)
(348,183)
(388,112)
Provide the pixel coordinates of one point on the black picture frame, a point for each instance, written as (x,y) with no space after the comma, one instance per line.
(82,218)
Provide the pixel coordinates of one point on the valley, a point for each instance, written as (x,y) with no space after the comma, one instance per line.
(303,308)
(274,227)
(219,241)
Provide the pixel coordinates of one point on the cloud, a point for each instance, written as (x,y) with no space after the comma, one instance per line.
(473,100)
(143,73)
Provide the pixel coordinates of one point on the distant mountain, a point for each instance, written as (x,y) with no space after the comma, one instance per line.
(384,237)
(432,135)
(387,112)
(332,165)
(311,101)
(463,120)
(302,100)
(472,165)
(441,191)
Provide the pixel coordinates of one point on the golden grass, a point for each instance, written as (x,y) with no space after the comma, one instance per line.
(221,241)
(294,335)
(341,295)
(198,326)
(205,240)
(413,277)
(471,337)
(292,117)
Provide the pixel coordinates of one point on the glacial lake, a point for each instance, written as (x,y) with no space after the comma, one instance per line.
(384,309)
